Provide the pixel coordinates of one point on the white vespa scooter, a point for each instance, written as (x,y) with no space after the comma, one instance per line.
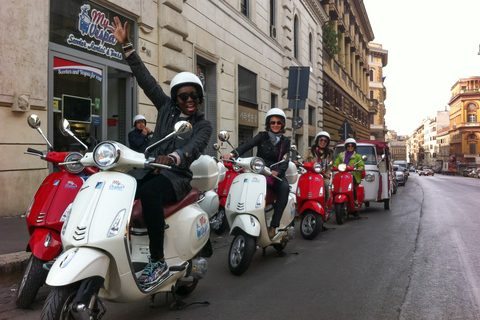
(106,243)
(249,211)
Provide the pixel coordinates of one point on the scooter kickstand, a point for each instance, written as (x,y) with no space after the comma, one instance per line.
(179,305)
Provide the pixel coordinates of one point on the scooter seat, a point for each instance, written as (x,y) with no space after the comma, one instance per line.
(170,208)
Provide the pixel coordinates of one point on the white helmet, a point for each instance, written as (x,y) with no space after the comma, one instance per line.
(351,140)
(322,134)
(137,118)
(274,112)
(185,79)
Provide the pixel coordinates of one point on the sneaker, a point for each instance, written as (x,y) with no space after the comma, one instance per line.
(271,232)
(153,272)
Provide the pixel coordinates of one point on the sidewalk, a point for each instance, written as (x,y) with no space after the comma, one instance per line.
(13,242)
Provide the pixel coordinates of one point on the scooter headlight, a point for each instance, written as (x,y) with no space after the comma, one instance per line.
(317,167)
(106,155)
(257,165)
(342,167)
(72,157)
(370,177)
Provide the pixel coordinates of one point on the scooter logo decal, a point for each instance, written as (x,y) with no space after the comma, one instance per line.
(255,180)
(317,179)
(99,185)
(116,185)
(56,182)
(245,180)
(70,185)
(202,227)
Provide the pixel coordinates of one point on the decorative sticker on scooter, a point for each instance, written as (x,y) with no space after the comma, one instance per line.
(255,179)
(202,227)
(292,208)
(56,182)
(71,185)
(99,185)
(116,185)
(317,179)
(245,180)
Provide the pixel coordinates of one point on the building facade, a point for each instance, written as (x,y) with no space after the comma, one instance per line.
(78,71)
(464,124)
(377,92)
(347,107)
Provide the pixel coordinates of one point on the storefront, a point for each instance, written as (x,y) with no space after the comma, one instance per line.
(90,83)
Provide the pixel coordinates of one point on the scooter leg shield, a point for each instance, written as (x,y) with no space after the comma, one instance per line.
(312,205)
(77,264)
(45,244)
(339,198)
(247,223)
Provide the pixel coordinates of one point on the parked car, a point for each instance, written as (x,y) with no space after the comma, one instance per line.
(412,169)
(426,172)
(399,175)
(467,172)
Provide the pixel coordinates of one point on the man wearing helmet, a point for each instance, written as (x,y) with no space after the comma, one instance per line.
(140,136)
(156,188)
(271,146)
(320,152)
(352,158)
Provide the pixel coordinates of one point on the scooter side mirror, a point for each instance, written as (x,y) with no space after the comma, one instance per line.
(364,157)
(179,128)
(216,146)
(64,127)
(34,121)
(223,136)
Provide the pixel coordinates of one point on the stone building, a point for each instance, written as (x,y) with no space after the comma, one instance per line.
(347,105)
(377,91)
(464,125)
(65,62)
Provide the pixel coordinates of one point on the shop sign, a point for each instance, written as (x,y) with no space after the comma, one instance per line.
(62,66)
(96,31)
(247,116)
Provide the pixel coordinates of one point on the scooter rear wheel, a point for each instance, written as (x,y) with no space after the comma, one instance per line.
(241,253)
(33,278)
(311,224)
(341,211)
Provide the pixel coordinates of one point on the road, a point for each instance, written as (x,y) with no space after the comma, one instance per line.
(418,260)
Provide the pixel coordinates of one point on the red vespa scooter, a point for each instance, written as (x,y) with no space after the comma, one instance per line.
(45,217)
(222,191)
(311,199)
(342,192)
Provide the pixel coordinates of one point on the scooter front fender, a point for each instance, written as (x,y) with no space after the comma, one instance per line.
(77,264)
(248,223)
(340,198)
(45,244)
(312,205)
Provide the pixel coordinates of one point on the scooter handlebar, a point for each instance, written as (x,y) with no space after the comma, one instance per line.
(34,152)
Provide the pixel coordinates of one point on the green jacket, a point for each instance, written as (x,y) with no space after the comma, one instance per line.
(353,159)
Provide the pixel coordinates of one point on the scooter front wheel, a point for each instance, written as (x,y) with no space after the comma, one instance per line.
(241,253)
(341,211)
(311,224)
(33,278)
(58,304)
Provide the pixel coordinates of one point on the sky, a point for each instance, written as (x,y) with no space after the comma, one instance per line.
(431,44)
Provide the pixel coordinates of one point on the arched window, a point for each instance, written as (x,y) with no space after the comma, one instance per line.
(295,37)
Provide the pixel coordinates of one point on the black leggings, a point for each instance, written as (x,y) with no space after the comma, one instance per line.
(282,189)
(154,191)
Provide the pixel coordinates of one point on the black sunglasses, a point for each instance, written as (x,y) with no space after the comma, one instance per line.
(276,122)
(325,140)
(184,96)
(350,145)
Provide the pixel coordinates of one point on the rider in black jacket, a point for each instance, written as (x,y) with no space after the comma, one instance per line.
(271,145)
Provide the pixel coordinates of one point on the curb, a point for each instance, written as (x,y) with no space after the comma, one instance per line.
(13,262)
